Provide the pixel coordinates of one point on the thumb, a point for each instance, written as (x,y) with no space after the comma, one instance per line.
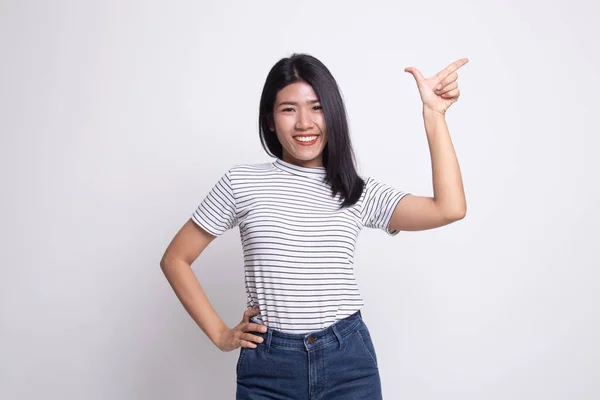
(250,312)
(415,73)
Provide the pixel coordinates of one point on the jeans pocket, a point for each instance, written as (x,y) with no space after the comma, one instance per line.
(243,351)
(367,343)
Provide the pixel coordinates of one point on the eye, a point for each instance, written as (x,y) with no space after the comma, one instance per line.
(287,109)
(318,107)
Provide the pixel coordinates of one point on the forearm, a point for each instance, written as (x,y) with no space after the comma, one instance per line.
(189,291)
(448,191)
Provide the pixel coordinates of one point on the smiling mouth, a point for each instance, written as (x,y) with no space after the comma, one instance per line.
(306,140)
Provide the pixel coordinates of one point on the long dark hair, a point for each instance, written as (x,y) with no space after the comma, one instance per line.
(338,155)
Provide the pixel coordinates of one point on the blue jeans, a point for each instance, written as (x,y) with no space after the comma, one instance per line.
(335,363)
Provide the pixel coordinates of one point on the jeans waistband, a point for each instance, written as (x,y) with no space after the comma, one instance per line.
(312,340)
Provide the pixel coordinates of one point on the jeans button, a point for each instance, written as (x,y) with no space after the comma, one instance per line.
(311,340)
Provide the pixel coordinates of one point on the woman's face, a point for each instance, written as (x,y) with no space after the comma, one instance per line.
(300,125)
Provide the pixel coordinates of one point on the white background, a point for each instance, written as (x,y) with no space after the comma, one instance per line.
(117,117)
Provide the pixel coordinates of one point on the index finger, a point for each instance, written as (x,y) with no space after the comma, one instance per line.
(252,327)
(451,68)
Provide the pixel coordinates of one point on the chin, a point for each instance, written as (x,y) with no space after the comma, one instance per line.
(305,154)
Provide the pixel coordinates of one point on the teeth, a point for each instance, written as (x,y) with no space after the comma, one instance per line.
(305,138)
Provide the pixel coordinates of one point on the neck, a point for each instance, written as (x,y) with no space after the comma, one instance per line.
(315,162)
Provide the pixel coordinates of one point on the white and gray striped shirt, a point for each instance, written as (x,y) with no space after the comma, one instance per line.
(298,245)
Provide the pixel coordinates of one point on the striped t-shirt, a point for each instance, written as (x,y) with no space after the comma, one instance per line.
(298,246)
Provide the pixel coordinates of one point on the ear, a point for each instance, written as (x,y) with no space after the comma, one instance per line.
(271,123)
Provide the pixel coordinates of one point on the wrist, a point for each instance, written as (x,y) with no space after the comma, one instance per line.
(217,339)
(429,112)
(432,117)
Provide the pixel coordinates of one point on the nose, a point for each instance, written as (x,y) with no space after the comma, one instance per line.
(304,121)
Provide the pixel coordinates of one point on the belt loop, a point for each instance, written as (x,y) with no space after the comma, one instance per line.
(268,340)
(338,336)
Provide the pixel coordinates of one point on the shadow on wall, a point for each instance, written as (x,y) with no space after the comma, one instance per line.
(162,352)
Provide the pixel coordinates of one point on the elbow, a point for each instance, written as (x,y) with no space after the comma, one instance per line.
(456,214)
(171,261)
(451,211)
(460,215)
(164,261)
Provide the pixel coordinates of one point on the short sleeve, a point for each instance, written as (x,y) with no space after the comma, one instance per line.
(217,212)
(379,203)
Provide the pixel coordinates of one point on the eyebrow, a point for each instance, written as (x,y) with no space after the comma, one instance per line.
(294,103)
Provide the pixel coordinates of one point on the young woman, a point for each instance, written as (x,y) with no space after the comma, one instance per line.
(303,336)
